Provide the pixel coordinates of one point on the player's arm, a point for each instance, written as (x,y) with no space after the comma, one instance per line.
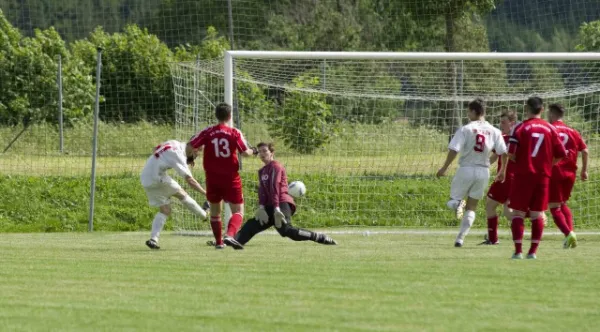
(453,149)
(246,150)
(558,149)
(584,164)
(493,158)
(501,176)
(449,159)
(278,173)
(194,184)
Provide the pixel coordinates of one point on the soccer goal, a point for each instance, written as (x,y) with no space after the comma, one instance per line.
(366,132)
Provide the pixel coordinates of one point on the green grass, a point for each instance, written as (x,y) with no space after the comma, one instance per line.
(368,175)
(59,204)
(109,282)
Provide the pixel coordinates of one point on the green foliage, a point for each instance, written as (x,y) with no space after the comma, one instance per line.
(212,46)
(304,119)
(135,75)
(28,72)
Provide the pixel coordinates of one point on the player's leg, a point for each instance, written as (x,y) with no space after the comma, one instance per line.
(458,190)
(519,198)
(215,220)
(250,228)
(190,204)
(492,221)
(158,196)
(538,204)
(298,234)
(157,226)
(467,221)
(235,197)
(556,200)
(567,188)
(477,182)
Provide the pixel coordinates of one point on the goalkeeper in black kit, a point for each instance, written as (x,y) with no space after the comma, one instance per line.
(276,206)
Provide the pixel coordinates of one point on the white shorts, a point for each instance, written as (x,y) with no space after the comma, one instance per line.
(159,193)
(469,181)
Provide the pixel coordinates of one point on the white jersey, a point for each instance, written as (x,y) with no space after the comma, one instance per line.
(170,154)
(475,142)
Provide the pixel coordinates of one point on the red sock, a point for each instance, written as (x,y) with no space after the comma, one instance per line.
(568,216)
(216,225)
(234,224)
(493,229)
(537,228)
(518,228)
(560,221)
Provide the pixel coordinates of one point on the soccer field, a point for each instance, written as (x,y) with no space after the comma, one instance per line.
(383,282)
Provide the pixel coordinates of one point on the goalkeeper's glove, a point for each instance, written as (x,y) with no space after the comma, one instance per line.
(261,215)
(279,217)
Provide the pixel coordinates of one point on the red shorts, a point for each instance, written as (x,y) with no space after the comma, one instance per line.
(499,191)
(224,188)
(561,187)
(529,193)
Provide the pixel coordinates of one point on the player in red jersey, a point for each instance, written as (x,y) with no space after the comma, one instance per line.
(534,146)
(276,206)
(221,143)
(498,193)
(564,174)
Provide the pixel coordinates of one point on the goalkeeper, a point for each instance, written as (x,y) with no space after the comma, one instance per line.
(276,206)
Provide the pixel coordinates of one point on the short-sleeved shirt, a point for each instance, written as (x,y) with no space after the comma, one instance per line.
(535,143)
(167,155)
(573,143)
(221,144)
(475,142)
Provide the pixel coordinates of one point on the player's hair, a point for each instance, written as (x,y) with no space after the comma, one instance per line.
(511,115)
(477,106)
(269,146)
(223,112)
(535,104)
(557,109)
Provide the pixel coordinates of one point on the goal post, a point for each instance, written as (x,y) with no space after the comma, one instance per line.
(366,131)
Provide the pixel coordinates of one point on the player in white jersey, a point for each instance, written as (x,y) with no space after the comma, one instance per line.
(475,143)
(160,187)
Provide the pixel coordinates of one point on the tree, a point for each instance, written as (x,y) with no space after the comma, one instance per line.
(452,12)
(28,72)
(136,81)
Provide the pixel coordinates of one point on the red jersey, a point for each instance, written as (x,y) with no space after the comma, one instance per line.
(535,143)
(221,144)
(273,185)
(510,167)
(573,143)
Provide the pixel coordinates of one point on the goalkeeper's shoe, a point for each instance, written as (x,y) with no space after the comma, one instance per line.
(531,256)
(570,241)
(230,241)
(152,244)
(517,256)
(487,242)
(460,209)
(326,240)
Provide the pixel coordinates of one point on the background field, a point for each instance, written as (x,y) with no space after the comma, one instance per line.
(355,180)
(417,282)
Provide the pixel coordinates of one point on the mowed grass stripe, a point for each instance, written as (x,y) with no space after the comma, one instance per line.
(108,281)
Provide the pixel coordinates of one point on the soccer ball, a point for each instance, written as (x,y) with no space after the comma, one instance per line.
(297,189)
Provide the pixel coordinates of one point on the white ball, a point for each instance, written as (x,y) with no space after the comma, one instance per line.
(297,189)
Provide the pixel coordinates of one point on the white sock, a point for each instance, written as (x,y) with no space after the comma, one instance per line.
(465,225)
(193,206)
(157,225)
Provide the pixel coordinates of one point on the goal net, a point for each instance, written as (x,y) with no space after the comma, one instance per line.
(366,132)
